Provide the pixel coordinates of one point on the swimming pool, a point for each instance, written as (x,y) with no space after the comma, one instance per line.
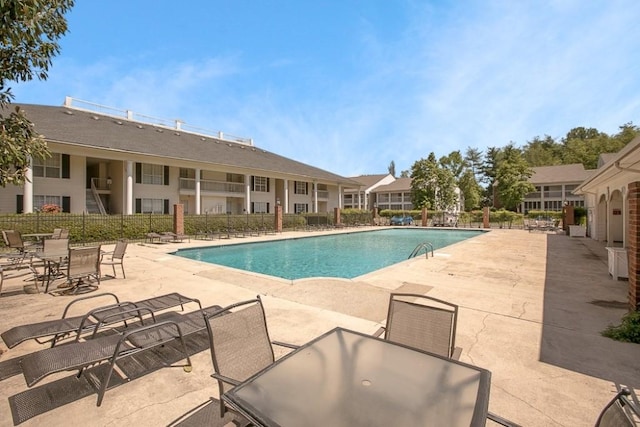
(345,255)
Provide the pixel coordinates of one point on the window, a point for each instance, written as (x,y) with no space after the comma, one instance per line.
(234,177)
(261,184)
(300,207)
(40,201)
(49,167)
(301,187)
(152,174)
(153,206)
(187,173)
(259,207)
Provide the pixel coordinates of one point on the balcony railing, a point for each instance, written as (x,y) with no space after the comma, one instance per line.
(212,186)
(323,194)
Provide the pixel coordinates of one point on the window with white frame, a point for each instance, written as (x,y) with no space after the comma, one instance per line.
(154,206)
(39,201)
(187,173)
(261,184)
(49,167)
(260,207)
(300,207)
(301,187)
(152,174)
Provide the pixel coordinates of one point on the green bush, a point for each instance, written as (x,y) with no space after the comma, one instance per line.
(355,216)
(544,214)
(580,215)
(627,331)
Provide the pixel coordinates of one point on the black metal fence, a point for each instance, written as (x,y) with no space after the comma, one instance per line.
(95,228)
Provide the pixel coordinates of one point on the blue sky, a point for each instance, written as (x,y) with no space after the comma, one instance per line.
(351,85)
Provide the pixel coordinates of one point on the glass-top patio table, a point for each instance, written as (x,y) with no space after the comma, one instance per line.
(345,378)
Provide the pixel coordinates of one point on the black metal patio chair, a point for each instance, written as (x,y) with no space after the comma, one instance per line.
(115,257)
(240,344)
(422,322)
(619,412)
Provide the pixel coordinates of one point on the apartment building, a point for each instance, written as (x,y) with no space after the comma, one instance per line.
(554,187)
(106,160)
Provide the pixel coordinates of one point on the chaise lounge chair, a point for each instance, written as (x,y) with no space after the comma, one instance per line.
(174,237)
(158,238)
(53,331)
(114,347)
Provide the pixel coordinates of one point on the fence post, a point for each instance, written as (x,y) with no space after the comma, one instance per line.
(84,235)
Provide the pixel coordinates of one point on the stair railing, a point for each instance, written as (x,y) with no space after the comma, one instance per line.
(96,197)
(426,246)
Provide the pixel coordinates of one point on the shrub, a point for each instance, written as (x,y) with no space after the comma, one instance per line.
(50,208)
(627,331)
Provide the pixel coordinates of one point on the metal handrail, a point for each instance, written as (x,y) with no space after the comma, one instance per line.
(96,196)
(426,246)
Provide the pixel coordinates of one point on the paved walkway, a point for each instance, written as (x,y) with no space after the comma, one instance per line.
(532,306)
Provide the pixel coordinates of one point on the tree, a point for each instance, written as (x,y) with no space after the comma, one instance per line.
(392,168)
(489,171)
(29,32)
(432,186)
(454,163)
(473,158)
(404,174)
(543,152)
(470,189)
(512,178)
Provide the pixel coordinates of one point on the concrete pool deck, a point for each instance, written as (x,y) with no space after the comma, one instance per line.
(532,306)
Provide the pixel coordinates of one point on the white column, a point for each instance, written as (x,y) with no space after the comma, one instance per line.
(247,193)
(315,197)
(340,196)
(625,220)
(27,198)
(197,191)
(128,194)
(286,196)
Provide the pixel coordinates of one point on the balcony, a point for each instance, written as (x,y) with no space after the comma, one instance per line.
(188,185)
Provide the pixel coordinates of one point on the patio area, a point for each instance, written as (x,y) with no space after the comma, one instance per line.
(532,306)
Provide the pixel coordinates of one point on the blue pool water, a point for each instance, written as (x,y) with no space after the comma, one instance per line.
(338,255)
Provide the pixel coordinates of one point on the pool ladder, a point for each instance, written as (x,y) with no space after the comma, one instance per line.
(426,246)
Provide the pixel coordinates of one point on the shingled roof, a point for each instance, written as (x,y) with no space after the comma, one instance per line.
(70,126)
(368,180)
(400,184)
(560,174)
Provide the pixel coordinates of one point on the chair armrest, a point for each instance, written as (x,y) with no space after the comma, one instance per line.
(285,344)
(457,351)
(225,379)
(500,420)
(379,331)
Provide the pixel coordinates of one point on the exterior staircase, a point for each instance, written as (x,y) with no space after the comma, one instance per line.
(92,206)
